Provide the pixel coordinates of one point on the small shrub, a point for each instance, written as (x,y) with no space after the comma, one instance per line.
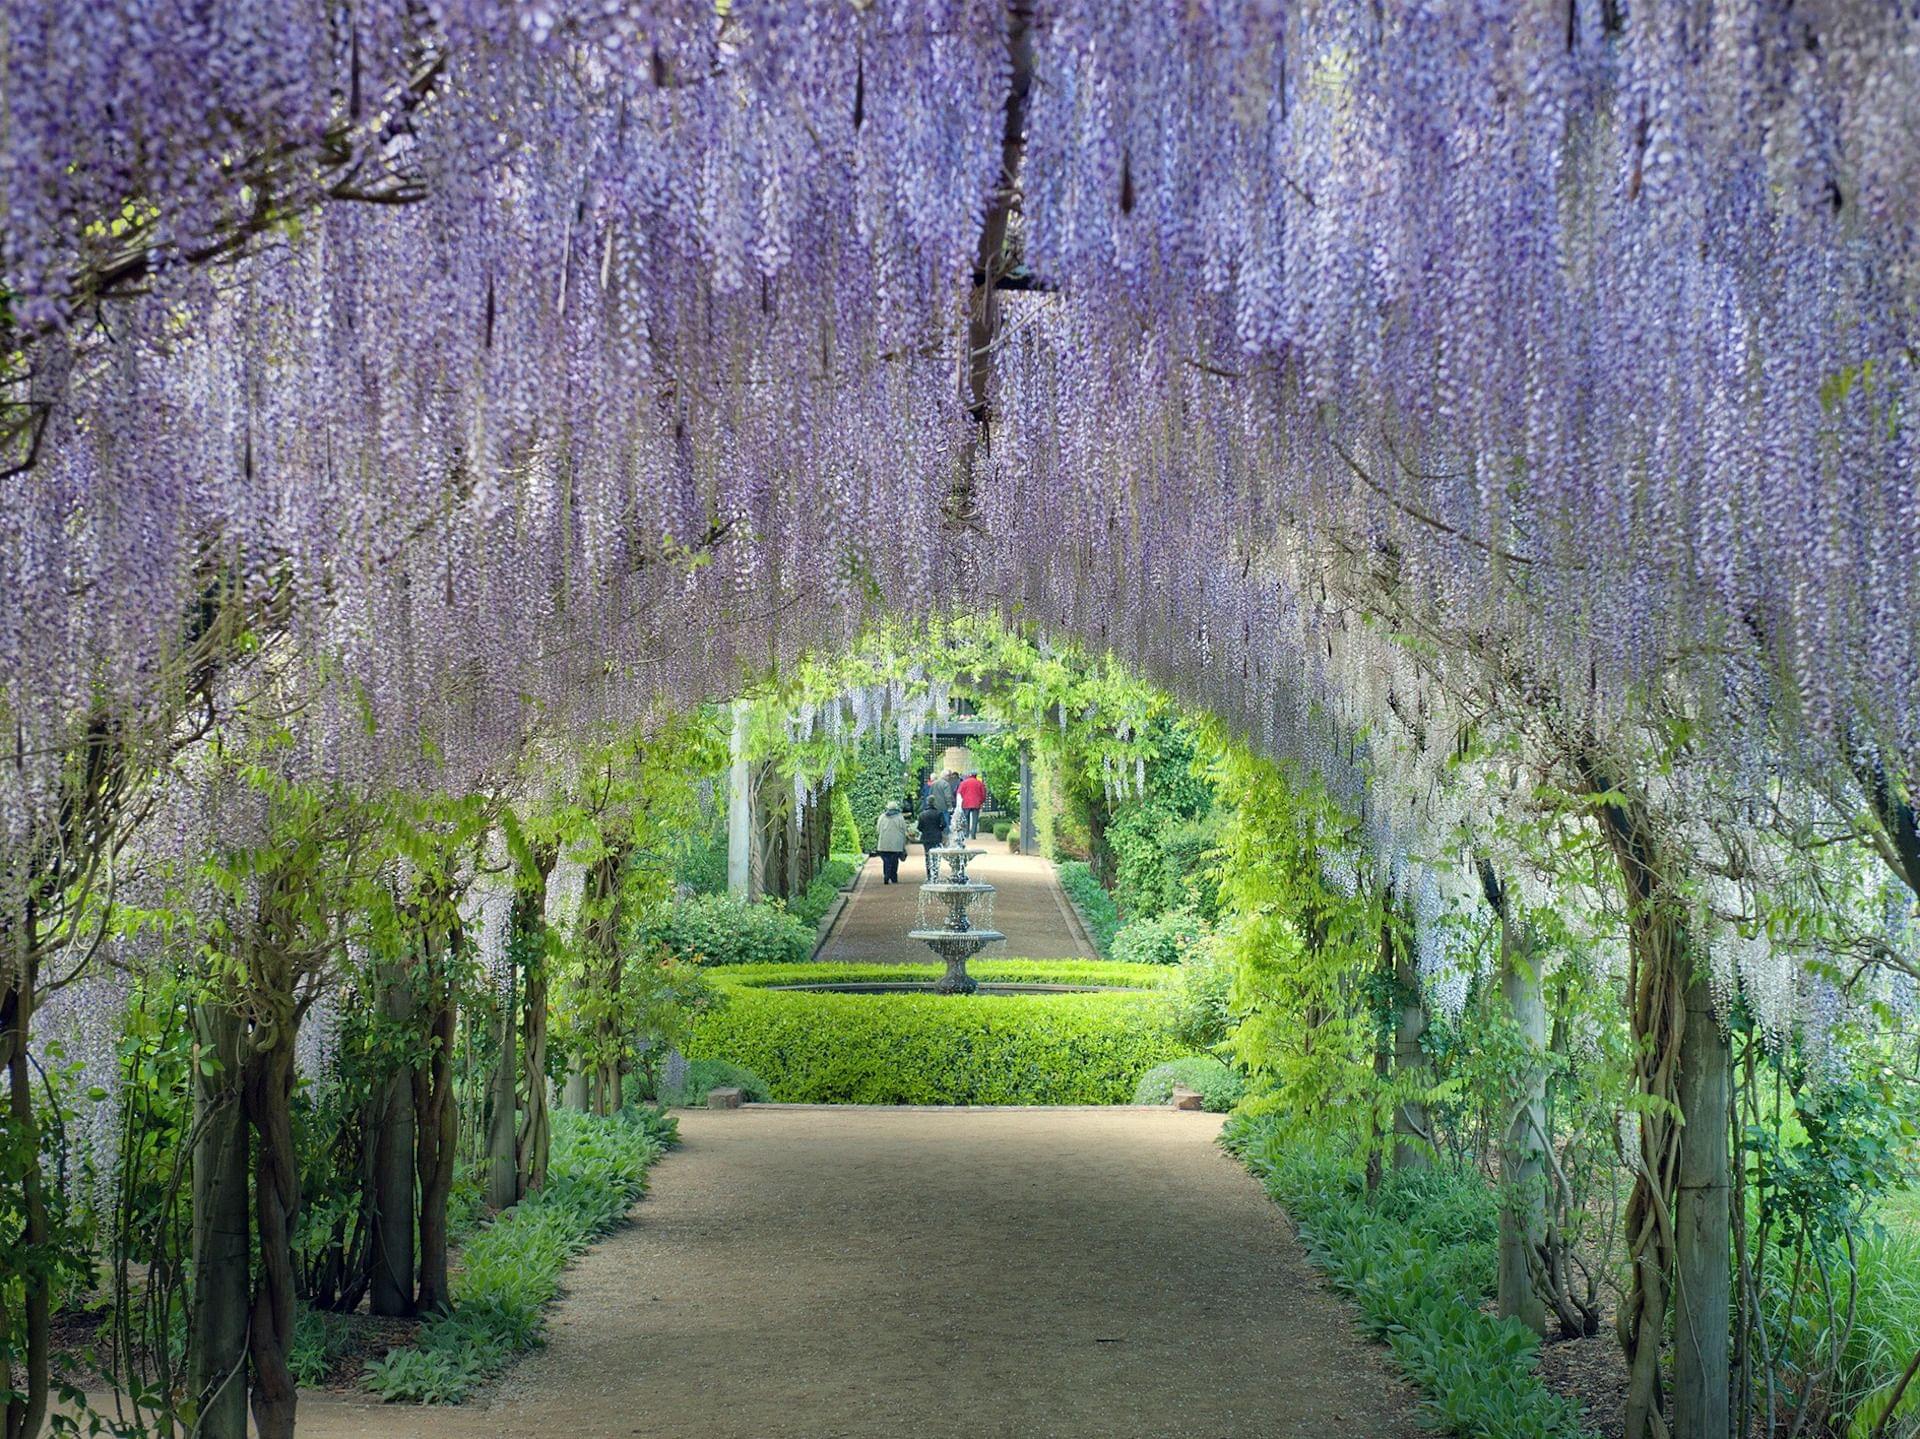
(1096,906)
(1165,861)
(320,1340)
(700,863)
(1220,1086)
(1158,939)
(935,1049)
(832,878)
(1002,828)
(1202,996)
(720,929)
(707,1074)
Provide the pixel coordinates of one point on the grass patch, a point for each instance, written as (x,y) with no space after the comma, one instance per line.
(1417,1258)
(1886,1328)
(510,1270)
(1097,909)
(937,1049)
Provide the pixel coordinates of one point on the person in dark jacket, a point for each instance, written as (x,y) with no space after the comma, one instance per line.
(933,827)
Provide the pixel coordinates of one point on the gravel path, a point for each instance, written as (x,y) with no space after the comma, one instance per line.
(1030,909)
(860,1273)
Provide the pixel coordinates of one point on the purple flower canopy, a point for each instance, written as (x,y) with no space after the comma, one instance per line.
(560,358)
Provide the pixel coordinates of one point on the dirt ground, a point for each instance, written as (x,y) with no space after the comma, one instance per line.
(911,1272)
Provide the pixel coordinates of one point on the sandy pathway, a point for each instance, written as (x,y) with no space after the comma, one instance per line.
(1029,909)
(858,1272)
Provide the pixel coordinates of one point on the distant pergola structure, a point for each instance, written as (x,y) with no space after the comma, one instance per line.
(740,816)
(962,728)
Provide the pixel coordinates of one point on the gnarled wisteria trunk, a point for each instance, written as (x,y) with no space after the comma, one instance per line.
(502,1185)
(436,1119)
(26,1406)
(222,1239)
(1523,1177)
(1677,1219)
(391,1140)
(528,939)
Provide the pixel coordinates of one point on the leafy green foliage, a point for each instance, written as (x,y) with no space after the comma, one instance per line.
(700,862)
(1416,1259)
(1202,1009)
(870,779)
(1096,906)
(720,929)
(834,875)
(709,1074)
(1002,828)
(1159,939)
(510,1270)
(320,1340)
(1219,1085)
(1165,861)
(936,1049)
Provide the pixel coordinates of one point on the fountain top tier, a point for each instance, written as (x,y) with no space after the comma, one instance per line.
(948,863)
(947,880)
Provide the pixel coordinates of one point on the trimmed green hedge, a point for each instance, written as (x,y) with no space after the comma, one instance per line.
(994,971)
(719,929)
(937,1049)
(1090,897)
(1220,1085)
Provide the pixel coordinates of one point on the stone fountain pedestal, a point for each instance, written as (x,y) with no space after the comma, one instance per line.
(957,940)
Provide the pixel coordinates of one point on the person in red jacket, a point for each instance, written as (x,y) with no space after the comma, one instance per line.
(973,797)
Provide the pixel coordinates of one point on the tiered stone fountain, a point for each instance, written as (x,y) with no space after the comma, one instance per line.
(959,940)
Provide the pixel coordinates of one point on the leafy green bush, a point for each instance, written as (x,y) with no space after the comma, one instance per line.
(1158,939)
(1164,860)
(934,1049)
(510,1269)
(872,778)
(1096,906)
(1002,828)
(320,1339)
(833,877)
(720,929)
(700,862)
(1220,1085)
(1417,1259)
(706,1074)
(1202,996)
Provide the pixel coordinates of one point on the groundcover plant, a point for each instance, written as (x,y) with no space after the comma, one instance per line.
(1502,412)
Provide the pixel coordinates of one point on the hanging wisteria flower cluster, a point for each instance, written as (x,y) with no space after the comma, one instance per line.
(514,367)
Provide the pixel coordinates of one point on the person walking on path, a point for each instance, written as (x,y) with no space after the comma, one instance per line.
(940,794)
(890,842)
(933,827)
(973,796)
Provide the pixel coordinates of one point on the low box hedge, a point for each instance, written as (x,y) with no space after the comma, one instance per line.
(819,1048)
